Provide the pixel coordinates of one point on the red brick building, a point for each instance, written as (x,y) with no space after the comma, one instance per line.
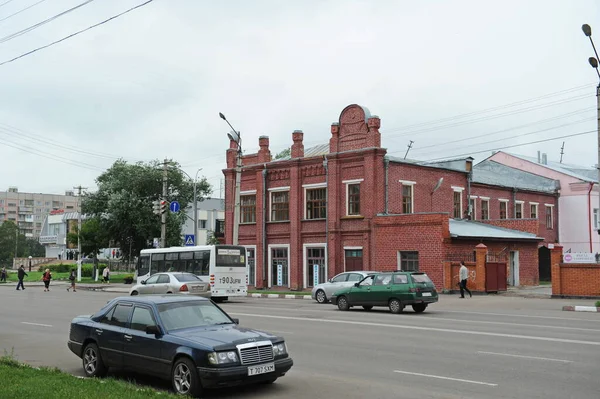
(347,206)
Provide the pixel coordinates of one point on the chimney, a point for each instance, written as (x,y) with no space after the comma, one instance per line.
(264,154)
(539,157)
(298,146)
(544,159)
(469,164)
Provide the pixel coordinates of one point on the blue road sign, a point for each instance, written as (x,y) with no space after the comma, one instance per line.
(190,240)
(174,206)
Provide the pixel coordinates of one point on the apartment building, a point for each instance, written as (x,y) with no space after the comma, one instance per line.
(211,220)
(29,210)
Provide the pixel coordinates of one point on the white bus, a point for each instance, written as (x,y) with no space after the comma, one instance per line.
(223,266)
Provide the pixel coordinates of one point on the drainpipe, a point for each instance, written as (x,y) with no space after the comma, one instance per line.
(264,225)
(590,211)
(326,215)
(514,202)
(469,210)
(386,165)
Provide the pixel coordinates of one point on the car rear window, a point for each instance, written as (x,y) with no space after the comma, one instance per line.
(421,278)
(183,278)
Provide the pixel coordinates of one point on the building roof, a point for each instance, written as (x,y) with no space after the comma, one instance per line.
(457,165)
(476,230)
(314,151)
(496,174)
(583,173)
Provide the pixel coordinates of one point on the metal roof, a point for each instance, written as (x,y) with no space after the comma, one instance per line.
(496,174)
(477,230)
(579,172)
(315,151)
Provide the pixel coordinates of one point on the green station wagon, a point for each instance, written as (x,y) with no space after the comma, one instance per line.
(395,290)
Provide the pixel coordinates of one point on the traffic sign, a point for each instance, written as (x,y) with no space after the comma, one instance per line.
(174,206)
(190,240)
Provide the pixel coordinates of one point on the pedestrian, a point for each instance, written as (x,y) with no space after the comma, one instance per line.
(72,278)
(463,275)
(46,278)
(106,275)
(3,274)
(21,275)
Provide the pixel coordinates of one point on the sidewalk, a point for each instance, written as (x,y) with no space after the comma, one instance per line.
(536,291)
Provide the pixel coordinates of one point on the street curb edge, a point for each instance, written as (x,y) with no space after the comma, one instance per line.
(581,308)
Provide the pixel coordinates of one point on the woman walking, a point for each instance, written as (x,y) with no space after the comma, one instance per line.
(46,278)
(72,278)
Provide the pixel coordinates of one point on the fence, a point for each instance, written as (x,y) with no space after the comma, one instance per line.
(461,256)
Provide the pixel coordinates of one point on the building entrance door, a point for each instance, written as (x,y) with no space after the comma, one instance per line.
(353,260)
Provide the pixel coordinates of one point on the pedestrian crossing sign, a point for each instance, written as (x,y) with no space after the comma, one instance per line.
(189,240)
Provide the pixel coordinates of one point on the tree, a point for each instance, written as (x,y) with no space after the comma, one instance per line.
(93,237)
(285,153)
(123,202)
(34,248)
(13,244)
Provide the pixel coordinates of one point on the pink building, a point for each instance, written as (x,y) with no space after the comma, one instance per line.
(578,218)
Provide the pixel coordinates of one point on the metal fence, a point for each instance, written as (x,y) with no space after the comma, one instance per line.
(497,257)
(461,256)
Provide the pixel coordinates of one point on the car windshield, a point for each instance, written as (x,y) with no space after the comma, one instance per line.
(186,277)
(188,314)
(421,278)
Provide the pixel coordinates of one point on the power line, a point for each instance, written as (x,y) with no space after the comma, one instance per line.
(24,9)
(5,3)
(44,22)
(76,33)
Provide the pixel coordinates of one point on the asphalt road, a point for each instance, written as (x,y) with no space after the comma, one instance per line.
(483,347)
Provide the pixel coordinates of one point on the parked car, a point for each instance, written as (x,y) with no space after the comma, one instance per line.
(395,290)
(185,339)
(172,283)
(322,292)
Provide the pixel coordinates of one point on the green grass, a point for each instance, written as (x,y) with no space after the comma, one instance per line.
(598,304)
(279,292)
(22,381)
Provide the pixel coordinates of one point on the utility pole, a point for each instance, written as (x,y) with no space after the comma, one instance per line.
(236,136)
(79,188)
(562,151)
(409,147)
(163,216)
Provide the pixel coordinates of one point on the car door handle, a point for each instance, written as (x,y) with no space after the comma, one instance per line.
(99,331)
(128,337)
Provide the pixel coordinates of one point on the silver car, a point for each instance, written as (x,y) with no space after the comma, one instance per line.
(172,283)
(322,292)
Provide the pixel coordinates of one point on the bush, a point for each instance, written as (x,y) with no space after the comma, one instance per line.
(86,270)
(598,304)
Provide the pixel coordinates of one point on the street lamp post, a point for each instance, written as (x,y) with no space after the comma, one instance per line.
(587,30)
(237,137)
(30,262)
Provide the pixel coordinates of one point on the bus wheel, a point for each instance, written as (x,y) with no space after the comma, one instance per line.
(220,299)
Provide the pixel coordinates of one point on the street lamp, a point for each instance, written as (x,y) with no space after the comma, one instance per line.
(236,136)
(587,30)
(30,262)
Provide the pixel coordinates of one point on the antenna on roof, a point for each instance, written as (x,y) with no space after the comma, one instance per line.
(409,147)
(562,151)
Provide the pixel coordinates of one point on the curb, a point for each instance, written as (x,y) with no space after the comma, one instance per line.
(581,308)
(279,296)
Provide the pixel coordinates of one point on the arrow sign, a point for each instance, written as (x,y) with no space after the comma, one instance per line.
(174,206)
(189,240)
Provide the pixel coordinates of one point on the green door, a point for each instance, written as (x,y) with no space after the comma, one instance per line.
(381,290)
(361,295)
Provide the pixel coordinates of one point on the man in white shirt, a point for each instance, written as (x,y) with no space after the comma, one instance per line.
(463,276)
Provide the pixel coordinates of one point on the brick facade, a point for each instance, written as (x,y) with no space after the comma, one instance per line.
(380,231)
(573,279)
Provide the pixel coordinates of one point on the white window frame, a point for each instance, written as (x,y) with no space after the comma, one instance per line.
(248,192)
(596,215)
(270,247)
(307,187)
(270,210)
(551,206)
(305,261)
(458,190)
(410,184)
(351,249)
(517,203)
(537,210)
(474,210)
(347,183)
(253,247)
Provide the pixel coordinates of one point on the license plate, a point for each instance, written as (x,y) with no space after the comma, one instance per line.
(198,287)
(262,369)
(231,291)
(427,294)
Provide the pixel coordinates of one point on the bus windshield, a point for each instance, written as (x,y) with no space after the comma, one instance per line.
(231,257)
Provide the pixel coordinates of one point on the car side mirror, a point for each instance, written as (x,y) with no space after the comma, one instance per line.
(356,284)
(155,330)
(144,282)
(236,321)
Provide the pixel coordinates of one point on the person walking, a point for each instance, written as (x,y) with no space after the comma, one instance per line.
(106,275)
(46,278)
(463,275)
(3,275)
(21,275)
(72,278)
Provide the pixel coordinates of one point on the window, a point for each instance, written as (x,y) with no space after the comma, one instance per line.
(472,209)
(503,209)
(200,264)
(163,279)
(485,209)
(340,278)
(316,203)
(251,266)
(519,210)
(533,209)
(141,318)
(400,279)
(596,218)
(117,317)
(279,267)
(280,206)
(549,217)
(248,208)
(202,224)
(407,198)
(153,279)
(409,261)
(353,199)
(316,257)
(186,277)
(383,279)
(457,214)
(355,277)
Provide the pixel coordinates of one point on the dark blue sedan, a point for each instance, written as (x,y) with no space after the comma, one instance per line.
(190,341)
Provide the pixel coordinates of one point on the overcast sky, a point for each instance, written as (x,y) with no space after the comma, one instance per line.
(151,83)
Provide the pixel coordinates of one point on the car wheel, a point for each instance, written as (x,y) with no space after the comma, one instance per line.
(367,307)
(93,366)
(419,307)
(169,292)
(342,303)
(395,306)
(321,297)
(134,292)
(185,378)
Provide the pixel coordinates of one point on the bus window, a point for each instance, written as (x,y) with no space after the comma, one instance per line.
(231,256)
(186,261)
(170,262)
(143,265)
(158,263)
(201,263)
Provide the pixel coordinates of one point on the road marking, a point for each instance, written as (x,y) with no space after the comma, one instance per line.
(433,318)
(36,324)
(525,357)
(446,330)
(446,378)
(520,315)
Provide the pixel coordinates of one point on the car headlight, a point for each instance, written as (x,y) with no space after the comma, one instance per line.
(279,349)
(222,357)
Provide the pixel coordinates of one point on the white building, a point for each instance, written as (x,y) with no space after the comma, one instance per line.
(211,220)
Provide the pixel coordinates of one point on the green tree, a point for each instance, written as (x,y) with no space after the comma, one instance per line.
(34,248)
(123,203)
(285,153)
(11,240)
(93,237)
